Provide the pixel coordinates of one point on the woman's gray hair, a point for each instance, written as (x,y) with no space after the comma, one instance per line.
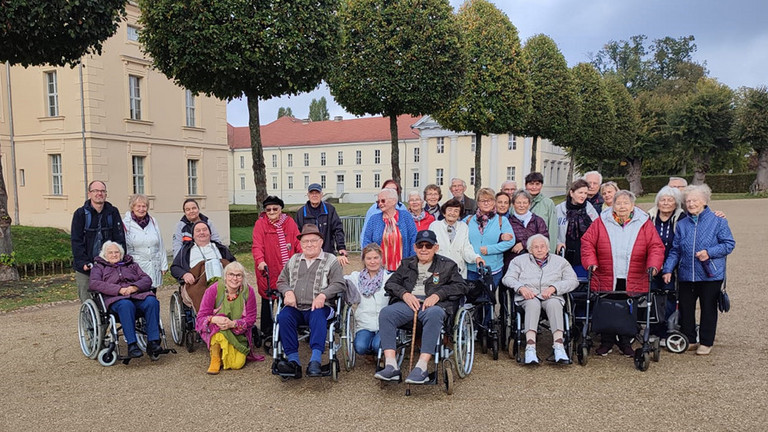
(416,194)
(522,192)
(109,243)
(610,184)
(535,237)
(389,193)
(625,193)
(136,198)
(667,191)
(701,189)
(235,266)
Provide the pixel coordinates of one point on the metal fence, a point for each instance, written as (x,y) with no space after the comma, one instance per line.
(353,229)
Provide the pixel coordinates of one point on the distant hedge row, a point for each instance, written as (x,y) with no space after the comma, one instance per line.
(720,183)
(248,218)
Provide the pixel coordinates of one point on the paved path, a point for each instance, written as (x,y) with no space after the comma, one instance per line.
(47,384)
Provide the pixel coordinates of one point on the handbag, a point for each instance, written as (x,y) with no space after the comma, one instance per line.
(615,316)
(723,301)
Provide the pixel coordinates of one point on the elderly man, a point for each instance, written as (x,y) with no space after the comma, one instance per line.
(308,281)
(322,214)
(509,187)
(458,187)
(541,205)
(594,179)
(678,183)
(428,285)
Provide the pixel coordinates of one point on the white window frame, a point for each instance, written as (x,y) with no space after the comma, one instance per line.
(440,145)
(416,154)
(358,157)
(192,178)
(472,176)
(306,181)
(416,180)
(242,162)
(511,173)
(134,96)
(189,101)
(274,183)
(377,156)
(52,93)
(132,33)
(242,182)
(139,179)
(57,175)
(322,158)
(322,181)
(512,143)
(358,181)
(274,161)
(341,157)
(290,160)
(376,180)
(306,159)
(439,174)
(474,143)
(290,182)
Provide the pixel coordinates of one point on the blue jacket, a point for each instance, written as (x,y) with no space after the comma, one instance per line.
(707,232)
(490,238)
(374,231)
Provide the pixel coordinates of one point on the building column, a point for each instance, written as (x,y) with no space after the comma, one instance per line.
(493,170)
(454,159)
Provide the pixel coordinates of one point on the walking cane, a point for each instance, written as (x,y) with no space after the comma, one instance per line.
(413,343)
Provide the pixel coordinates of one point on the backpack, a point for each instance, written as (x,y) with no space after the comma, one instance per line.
(98,240)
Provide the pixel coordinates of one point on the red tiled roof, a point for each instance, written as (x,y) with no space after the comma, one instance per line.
(288,131)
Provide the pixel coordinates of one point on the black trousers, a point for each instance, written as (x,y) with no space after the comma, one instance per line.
(706,292)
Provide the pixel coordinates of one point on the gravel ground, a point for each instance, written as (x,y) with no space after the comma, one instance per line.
(49,385)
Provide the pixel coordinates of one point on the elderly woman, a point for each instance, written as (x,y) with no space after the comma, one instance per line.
(453,237)
(370,283)
(375,209)
(392,229)
(126,289)
(199,261)
(574,216)
(608,190)
(421,218)
(432,197)
(702,242)
(226,317)
(621,247)
(191,216)
(485,234)
(525,225)
(143,239)
(275,240)
(540,280)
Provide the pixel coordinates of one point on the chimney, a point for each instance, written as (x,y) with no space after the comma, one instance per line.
(337,118)
(306,121)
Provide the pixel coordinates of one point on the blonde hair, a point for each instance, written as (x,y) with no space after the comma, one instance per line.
(136,198)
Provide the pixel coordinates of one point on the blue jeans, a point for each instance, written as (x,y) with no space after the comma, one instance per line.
(291,318)
(126,311)
(367,342)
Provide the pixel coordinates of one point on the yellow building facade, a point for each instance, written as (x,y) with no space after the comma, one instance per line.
(133,128)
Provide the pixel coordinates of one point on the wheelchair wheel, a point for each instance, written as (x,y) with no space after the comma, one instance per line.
(656,347)
(256,337)
(482,335)
(89,329)
(177,319)
(189,340)
(512,347)
(448,376)
(583,355)
(141,333)
(107,357)
(348,337)
(677,343)
(335,369)
(642,360)
(464,343)
(495,349)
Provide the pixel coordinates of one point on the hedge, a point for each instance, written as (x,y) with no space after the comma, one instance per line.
(248,218)
(720,183)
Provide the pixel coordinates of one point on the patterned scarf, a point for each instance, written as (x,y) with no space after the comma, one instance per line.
(543,262)
(370,284)
(578,219)
(483,218)
(624,222)
(391,242)
(143,222)
(281,242)
(421,216)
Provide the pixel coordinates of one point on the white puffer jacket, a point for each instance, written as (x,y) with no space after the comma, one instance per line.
(367,313)
(146,247)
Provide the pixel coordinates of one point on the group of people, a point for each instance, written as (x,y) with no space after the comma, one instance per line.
(419,258)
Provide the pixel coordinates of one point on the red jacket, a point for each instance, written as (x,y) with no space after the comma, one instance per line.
(596,249)
(265,248)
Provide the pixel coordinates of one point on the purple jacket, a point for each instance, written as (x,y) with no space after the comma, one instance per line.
(537,225)
(107,279)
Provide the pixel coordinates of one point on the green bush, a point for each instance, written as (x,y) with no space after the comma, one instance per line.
(248,218)
(720,183)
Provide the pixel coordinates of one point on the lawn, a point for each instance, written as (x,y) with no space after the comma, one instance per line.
(38,245)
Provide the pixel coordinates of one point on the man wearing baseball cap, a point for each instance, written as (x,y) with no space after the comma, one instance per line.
(323,215)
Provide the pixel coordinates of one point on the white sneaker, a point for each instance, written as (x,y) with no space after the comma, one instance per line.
(530,355)
(560,355)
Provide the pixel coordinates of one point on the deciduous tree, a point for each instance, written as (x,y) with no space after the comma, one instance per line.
(751,127)
(318,110)
(284,111)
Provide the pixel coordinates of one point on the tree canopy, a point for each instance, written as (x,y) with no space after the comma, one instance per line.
(283,111)
(751,128)
(318,110)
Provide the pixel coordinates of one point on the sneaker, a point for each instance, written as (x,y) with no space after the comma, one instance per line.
(389,373)
(627,350)
(530,355)
(560,355)
(703,350)
(417,376)
(604,350)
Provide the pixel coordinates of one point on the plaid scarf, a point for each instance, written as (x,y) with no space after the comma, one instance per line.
(483,218)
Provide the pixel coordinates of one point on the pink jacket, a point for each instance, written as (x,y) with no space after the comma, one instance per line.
(244,323)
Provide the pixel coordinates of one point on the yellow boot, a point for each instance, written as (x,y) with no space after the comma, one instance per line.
(215,366)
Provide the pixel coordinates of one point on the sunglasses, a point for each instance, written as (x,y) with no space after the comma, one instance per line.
(382,201)
(272,209)
(424,245)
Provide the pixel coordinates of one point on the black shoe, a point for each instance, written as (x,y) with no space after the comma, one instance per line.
(154,349)
(314,369)
(134,351)
(289,369)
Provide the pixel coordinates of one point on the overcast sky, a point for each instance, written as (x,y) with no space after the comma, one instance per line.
(731,36)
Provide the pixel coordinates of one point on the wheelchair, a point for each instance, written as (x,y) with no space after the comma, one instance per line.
(339,343)
(99,333)
(183,319)
(492,328)
(517,339)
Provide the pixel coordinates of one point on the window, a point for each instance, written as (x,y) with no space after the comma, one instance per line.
(133,33)
(512,144)
(242,162)
(57,184)
(439,177)
(358,181)
(322,181)
(415,179)
(290,182)
(192,176)
(377,156)
(306,159)
(138,174)
(274,182)
(358,157)
(322,159)
(441,145)
(306,182)
(340,178)
(52,90)
(134,95)
(242,182)
(472,176)
(290,159)
(190,104)
(510,173)
(341,158)
(377,180)
(474,143)
(416,154)
(274,161)
(22,178)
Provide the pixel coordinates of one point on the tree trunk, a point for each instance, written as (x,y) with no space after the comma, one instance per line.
(634,174)
(7,273)
(571,166)
(257,150)
(761,180)
(478,161)
(700,170)
(534,144)
(395,149)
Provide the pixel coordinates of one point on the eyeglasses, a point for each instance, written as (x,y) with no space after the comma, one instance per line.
(309,241)
(272,209)
(98,191)
(485,201)
(236,275)
(424,246)
(382,201)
